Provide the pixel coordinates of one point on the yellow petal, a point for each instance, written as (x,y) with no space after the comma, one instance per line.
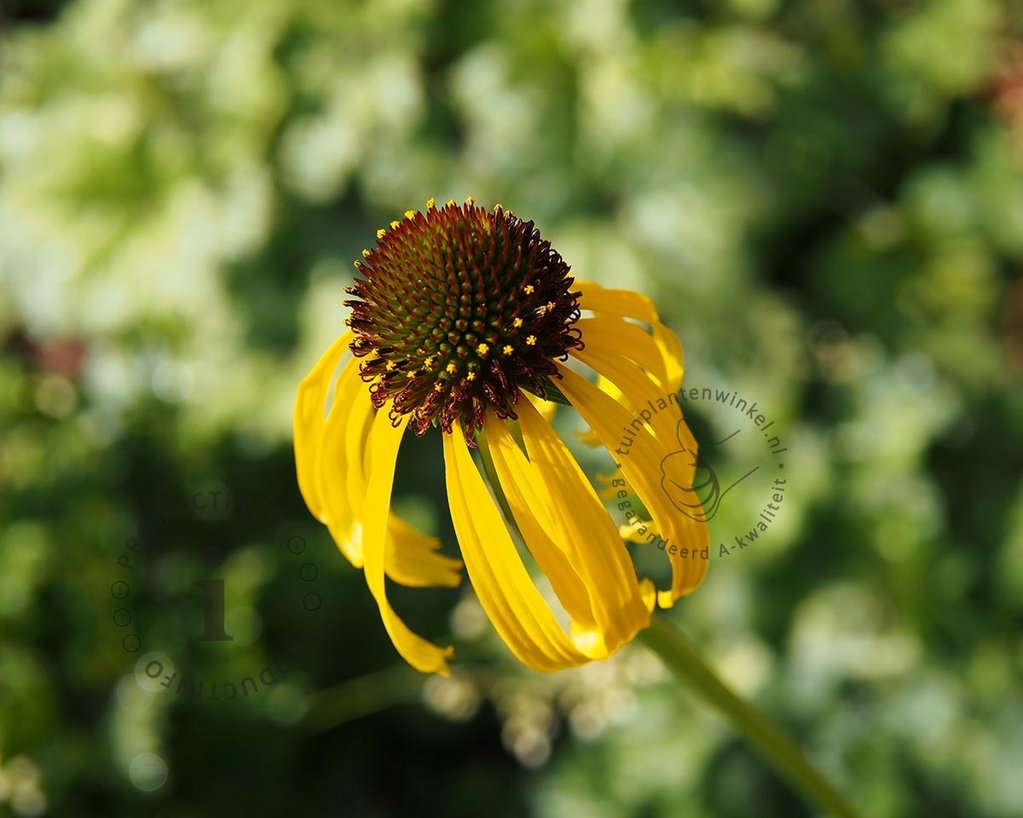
(661,413)
(658,410)
(650,594)
(641,465)
(332,461)
(528,506)
(627,304)
(308,422)
(340,479)
(505,590)
(418,652)
(586,436)
(547,408)
(628,340)
(559,506)
(630,531)
(413,558)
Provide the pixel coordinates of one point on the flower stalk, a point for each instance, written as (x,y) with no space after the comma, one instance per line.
(780,751)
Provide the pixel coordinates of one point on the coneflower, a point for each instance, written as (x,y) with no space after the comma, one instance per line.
(463,320)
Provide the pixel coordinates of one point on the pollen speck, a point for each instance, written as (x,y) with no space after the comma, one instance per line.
(430,202)
(381,233)
(528,289)
(390,366)
(394,225)
(451,202)
(410,214)
(482,349)
(508,350)
(450,369)
(469,200)
(410,374)
(428,363)
(365,253)
(471,376)
(517,323)
(531,340)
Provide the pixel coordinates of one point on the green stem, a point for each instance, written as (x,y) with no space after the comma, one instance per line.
(362,696)
(778,749)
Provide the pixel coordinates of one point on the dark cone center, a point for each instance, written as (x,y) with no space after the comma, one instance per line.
(456,310)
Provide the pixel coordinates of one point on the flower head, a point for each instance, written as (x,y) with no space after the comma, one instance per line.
(439,295)
(464,318)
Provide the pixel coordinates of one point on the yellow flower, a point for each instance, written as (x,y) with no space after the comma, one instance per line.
(347,434)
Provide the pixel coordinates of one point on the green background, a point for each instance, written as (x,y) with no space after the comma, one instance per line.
(825,200)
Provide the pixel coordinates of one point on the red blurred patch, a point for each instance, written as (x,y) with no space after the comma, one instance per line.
(1013,326)
(1007,90)
(59,356)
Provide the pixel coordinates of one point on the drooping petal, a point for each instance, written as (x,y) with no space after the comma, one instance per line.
(308,422)
(629,340)
(521,617)
(641,463)
(627,304)
(413,559)
(340,478)
(623,375)
(554,504)
(660,412)
(587,436)
(331,460)
(417,651)
(538,529)
(654,406)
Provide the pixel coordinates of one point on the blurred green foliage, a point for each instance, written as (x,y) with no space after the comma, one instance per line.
(825,199)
